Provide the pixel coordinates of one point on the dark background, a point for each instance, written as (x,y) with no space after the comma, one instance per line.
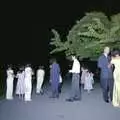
(29,43)
(24,43)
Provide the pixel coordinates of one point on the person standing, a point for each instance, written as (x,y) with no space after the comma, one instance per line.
(20,88)
(84,71)
(40,79)
(106,77)
(75,90)
(54,78)
(28,82)
(116,89)
(88,84)
(10,79)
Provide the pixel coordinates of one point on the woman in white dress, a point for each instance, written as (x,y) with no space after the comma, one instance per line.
(88,85)
(20,89)
(10,79)
(28,83)
(40,79)
(84,71)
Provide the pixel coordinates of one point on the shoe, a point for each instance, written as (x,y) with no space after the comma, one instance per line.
(69,100)
(52,97)
(77,99)
(41,93)
(107,101)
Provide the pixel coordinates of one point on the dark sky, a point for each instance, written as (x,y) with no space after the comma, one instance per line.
(30,41)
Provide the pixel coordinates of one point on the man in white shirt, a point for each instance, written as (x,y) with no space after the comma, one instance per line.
(75,92)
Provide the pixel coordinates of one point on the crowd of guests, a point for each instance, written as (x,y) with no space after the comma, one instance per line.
(109,79)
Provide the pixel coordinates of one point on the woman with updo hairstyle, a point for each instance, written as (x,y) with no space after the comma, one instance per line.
(115,60)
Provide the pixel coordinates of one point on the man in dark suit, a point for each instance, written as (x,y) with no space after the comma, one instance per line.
(106,77)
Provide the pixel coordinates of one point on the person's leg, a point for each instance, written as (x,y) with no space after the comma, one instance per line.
(56,91)
(105,94)
(111,89)
(53,90)
(77,88)
(104,86)
(59,87)
(72,94)
(38,86)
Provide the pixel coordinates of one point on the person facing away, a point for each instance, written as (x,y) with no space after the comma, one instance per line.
(116,89)
(9,82)
(75,91)
(88,84)
(20,88)
(54,78)
(28,82)
(40,79)
(84,71)
(106,78)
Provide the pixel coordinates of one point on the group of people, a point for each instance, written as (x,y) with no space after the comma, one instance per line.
(24,82)
(109,65)
(109,79)
(87,79)
(110,76)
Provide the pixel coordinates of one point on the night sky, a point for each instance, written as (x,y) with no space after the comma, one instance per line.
(31,41)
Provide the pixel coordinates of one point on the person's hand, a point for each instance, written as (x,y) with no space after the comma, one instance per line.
(50,81)
(109,66)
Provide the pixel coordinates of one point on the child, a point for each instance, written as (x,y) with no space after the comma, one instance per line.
(88,84)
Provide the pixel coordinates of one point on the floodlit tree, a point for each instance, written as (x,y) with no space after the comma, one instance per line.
(89,35)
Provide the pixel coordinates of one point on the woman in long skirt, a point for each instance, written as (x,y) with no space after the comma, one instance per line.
(10,79)
(20,89)
(116,89)
(28,83)
(40,79)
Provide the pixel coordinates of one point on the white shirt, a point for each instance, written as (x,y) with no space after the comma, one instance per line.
(10,73)
(28,72)
(75,67)
(40,73)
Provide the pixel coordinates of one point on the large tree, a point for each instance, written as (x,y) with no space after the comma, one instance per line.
(89,35)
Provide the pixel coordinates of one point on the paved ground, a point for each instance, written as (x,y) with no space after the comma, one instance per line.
(91,107)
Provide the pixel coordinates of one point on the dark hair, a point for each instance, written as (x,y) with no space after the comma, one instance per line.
(115,52)
(41,67)
(53,60)
(28,65)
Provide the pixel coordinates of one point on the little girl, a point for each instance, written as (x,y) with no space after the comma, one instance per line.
(89,81)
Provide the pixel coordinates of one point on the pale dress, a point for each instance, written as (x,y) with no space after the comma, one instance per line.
(10,79)
(20,88)
(88,84)
(116,88)
(40,79)
(28,83)
(84,71)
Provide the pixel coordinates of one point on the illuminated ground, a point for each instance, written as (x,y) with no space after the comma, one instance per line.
(92,107)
